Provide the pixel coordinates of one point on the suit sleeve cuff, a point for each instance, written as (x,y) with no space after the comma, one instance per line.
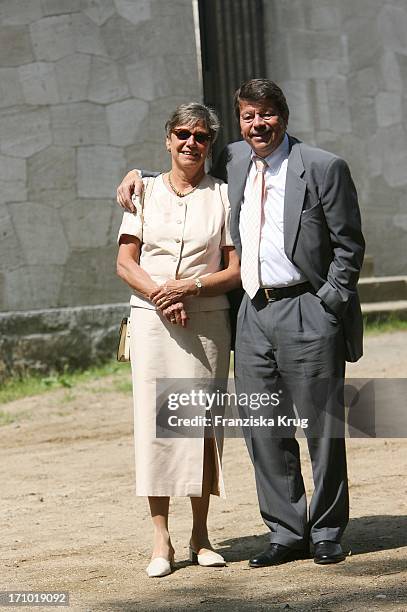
(331,298)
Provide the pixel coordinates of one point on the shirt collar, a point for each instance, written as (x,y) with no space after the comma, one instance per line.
(276,158)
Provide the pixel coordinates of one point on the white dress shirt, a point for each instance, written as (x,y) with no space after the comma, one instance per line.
(276,270)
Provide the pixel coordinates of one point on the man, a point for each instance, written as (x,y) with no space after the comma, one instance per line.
(296,225)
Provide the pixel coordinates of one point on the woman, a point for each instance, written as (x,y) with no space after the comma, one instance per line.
(177,255)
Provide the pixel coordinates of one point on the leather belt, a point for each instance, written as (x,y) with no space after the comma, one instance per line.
(273,294)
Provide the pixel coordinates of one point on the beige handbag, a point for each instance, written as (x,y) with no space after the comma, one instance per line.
(123,348)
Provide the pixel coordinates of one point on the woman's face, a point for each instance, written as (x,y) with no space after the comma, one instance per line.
(189,146)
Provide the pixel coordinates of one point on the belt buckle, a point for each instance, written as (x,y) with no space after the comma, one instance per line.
(269,296)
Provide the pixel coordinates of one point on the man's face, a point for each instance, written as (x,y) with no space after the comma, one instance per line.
(261,126)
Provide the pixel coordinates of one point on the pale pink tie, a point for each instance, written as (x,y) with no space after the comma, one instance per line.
(250,252)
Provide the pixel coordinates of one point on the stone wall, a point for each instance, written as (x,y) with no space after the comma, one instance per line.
(85,89)
(343,66)
(38,341)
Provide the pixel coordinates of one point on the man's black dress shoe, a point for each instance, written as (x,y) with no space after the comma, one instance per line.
(276,554)
(328,552)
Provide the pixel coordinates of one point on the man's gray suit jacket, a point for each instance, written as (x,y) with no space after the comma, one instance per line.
(322,226)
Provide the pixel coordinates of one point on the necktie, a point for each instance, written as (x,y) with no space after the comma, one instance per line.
(250,251)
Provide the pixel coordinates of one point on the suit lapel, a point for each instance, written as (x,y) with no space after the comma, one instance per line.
(237,172)
(238,169)
(295,188)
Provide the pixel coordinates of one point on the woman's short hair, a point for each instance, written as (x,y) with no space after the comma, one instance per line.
(192,113)
(260,90)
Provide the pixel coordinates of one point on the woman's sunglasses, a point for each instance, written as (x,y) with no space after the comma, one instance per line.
(200,137)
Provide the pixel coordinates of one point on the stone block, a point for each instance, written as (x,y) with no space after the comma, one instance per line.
(87,223)
(324,69)
(54,168)
(90,278)
(45,281)
(124,120)
(15,46)
(364,82)
(148,156)
(392,27)
(107,81)
(79,123)
(135,12)
(60,7)
(364,43)
(54,338)
(298,98)
(324,15)
(290,15)
(339,105)
(72,74)
(363,116)
(313,55)
(390,72)
(11,255)
(153,78)
(98,10)
(387,260)
(39,83)
(99,171)
(24,132)
(374,156)
(361,10)
(47,244)
(121,38)
(321,105)
(393,147)
(152,43)
(17,294)
(402,64)
(11,92)
(53,37)
(388,109)
(170,9)
(400,221)
(20,12)
(87,35)
(12,180)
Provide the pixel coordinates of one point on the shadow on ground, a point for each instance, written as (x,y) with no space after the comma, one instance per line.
(359,584)
(364,535)
(210,599)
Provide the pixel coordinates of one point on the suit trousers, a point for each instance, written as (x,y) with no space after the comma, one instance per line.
(295,348)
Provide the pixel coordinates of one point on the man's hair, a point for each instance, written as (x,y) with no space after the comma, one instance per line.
(260,90)
(192,113)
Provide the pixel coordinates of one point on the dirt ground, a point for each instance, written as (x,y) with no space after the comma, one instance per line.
(70,520)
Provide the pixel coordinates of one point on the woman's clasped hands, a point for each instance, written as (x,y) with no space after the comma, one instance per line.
(168,298)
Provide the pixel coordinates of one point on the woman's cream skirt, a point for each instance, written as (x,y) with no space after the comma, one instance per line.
(173,466)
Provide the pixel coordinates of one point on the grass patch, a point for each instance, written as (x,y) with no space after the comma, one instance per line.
(27,386)
(123,386)
(389,323)
(16,388)
(6,418)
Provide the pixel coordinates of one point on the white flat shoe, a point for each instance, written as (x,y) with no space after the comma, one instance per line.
(209,558)
(159,567)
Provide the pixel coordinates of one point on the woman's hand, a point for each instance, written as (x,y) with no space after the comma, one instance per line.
(176,314)
(171,292)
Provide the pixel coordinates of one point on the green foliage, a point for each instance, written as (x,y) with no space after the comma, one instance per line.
(388,323)
(27,386)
